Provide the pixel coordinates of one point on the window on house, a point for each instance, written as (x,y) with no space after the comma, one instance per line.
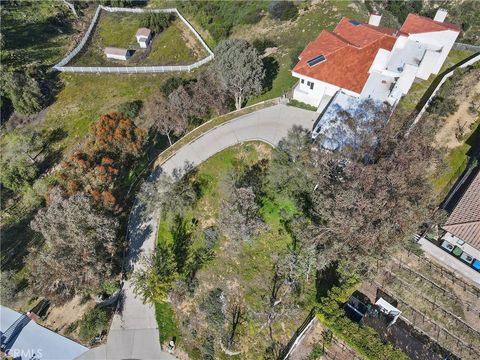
(310,84)
(303,81)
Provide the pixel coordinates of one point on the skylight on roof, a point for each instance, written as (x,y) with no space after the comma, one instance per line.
(316,60)
(354,22)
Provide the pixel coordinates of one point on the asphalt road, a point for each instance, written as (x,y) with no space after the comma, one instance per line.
(134,333)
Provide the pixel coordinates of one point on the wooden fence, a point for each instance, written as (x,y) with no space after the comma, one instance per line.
(62,64)
(451,276)
(462,348)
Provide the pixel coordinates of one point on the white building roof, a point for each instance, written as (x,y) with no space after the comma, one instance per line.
(36,342)
(143,33)
(116,51)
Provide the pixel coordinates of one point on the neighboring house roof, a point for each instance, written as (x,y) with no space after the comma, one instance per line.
(116,51)
(349,52)
(464,221)
(415,24)
(33,339)
(143,32)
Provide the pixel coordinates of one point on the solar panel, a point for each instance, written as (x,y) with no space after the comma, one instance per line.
(354,22)
(316,60)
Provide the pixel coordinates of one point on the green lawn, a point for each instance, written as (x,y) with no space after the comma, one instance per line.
(176,45)
(167,326)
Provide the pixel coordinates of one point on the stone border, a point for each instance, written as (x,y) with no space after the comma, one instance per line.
(62,64)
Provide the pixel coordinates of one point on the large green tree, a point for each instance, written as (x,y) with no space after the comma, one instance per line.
(240,69)
(23,90)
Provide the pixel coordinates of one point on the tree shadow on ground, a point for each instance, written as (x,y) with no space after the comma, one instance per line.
(270,64)
(326,279)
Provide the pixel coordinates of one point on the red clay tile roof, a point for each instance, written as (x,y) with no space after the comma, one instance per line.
(415,24)
(349,51)
(464,221)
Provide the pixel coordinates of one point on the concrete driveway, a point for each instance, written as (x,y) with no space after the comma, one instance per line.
(134,332)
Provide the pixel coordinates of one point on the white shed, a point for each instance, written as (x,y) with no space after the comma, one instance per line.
(143,36)
(117,53)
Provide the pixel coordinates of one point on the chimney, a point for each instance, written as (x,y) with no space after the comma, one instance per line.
(440,15)
(375,19)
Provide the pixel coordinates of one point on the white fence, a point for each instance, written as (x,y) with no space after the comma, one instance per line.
(62,65)
(445,77)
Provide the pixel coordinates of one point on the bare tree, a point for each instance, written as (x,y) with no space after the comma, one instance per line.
(165,119)
(240,219)
(80,245)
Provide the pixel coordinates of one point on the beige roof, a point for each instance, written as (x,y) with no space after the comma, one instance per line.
(143,32)
(464,221)
(116,51)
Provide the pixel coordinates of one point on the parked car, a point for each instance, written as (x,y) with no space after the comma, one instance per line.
(447,246)
(466,258)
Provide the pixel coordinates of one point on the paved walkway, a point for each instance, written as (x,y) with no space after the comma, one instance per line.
(134,332)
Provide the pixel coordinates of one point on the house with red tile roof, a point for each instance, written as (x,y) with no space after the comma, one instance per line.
(464,221)
(368,61)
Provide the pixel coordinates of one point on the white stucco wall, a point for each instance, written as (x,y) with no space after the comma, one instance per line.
(116,57)
(143,41)
(428,63)
(303,93)
(444,39)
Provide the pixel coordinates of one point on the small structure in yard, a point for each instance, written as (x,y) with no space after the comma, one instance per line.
(117,53)
(388,309)
(144,36)
(356,307)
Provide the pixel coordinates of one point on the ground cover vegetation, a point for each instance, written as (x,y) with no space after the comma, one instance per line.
(172,44)
(36,144)
(243,244)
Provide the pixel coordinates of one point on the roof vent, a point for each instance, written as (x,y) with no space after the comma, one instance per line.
(354,22)
(316,60)
(441,15)
(374,19)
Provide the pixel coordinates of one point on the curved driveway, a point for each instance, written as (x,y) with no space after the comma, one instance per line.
(134,332)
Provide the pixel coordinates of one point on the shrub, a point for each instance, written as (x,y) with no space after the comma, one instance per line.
(212,307)
(261,44)
(157,22)
(316,353)
(93,323)
(282,10)
(294,56)
(172,84)
(301,105)
(131,109)
(442,106)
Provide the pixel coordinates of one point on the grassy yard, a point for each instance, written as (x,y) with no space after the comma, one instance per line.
(34,32)
(249,267)
(176,45)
